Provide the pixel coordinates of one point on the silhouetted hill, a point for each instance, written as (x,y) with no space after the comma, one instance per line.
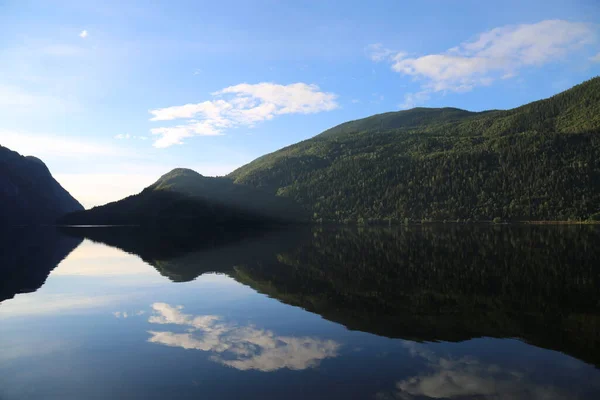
(183,196)
(29,195)
(535,162)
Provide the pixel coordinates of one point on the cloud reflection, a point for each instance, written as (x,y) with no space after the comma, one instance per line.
(241,347)
(126,314)
(468,378)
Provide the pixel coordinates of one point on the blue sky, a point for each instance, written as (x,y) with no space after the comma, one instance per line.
(112,94)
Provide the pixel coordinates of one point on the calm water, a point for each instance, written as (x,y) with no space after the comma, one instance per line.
(415,313)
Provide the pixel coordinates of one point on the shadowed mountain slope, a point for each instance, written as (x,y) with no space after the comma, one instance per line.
(183,196)
(29,195)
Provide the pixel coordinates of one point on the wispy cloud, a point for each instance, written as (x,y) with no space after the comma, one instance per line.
(497,54)
(244,347)
(596,58)
(239,105)
(83,34)
(377,52)
(126,314)
(50,145)
(127,136)
(412,100)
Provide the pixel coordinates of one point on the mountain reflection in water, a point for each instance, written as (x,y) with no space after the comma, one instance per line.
(535,283)
(427,312)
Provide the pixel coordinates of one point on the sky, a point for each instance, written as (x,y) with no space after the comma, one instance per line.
(113,94)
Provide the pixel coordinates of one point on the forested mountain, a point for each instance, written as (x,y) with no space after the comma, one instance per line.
(540,161)
(29,195)
(183,196)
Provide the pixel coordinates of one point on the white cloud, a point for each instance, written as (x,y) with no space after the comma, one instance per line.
(239,105)
(83,34)
(497,54)
(596,58)
(241,347)
(175,135)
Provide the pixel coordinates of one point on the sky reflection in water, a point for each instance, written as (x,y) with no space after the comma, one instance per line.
(108,324)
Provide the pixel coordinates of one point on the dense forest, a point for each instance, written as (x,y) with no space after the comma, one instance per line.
(540,161)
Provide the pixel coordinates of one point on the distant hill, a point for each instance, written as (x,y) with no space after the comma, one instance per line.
(183,196)
(29,195)
(535,162)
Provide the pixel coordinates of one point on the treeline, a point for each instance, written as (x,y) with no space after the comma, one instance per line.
(536,162)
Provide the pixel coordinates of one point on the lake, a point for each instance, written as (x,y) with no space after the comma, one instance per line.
(425,312)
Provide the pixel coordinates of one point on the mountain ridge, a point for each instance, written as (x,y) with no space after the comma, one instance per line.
(533,162)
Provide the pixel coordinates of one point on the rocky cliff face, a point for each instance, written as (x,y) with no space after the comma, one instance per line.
(29,195)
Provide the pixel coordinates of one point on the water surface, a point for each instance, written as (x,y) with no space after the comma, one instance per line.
(411,313)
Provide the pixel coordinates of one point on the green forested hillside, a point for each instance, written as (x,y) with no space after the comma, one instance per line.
(540,161)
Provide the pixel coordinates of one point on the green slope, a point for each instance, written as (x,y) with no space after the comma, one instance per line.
(535,162)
